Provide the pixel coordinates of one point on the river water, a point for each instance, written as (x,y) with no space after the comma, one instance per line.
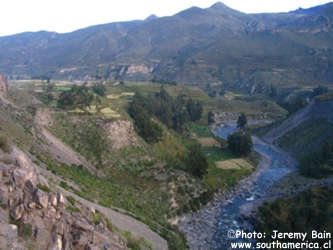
(251,192)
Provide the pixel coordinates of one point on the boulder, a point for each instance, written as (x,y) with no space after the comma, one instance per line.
(83,226)
(53,199)
(57,243)
(16,213)
(61,199)
(59,228)
(9,231)
(21,176)
(41,198)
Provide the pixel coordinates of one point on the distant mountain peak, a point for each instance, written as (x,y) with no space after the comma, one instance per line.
(218,5)
(151,17)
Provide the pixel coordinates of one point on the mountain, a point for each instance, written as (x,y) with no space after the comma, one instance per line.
(196,46)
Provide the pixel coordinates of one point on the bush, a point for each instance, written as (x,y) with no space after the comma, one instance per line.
(71,200)
(23,230)
(97,217)
(4,145)
(73,209)
(197,163)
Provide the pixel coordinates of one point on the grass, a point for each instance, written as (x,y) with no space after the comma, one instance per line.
(142,197)
(200,130)
(138,179)
(220,178)
(73,209)
(44,188)
(134,243)
(174,90)
(307,138)
(218,154)
(97,217)
(109,113)
(71,200)
(252,107)
(24,230)
(234,164)
(208,142)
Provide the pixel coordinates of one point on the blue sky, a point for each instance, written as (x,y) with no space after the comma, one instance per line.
(68,15)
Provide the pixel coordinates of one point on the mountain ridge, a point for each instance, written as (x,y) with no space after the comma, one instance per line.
(195,46)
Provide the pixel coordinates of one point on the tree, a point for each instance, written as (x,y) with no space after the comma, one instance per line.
(210,118)
(99,89)
(164,95)
(319,91)
(194,109)
(196,161)
(242,121)
(180,118)
(78,97)
(149,130)
(240,143)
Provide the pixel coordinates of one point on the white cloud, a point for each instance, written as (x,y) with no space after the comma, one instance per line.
(67,15)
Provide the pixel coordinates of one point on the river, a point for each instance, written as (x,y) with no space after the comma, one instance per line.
(234,214)
(209,227)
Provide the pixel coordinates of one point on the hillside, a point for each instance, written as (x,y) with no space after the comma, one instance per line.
(306,130)
(196,46)
(40,207)
(95,155)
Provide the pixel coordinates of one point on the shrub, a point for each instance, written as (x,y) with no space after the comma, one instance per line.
(73,209)
(44,188)
(23,230)
(71,200)
(97,217)
(197,162)
(4,145)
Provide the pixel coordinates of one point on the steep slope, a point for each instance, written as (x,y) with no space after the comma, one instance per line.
(195,46)
(32,216)
(305,131)
(290,123)
(34,213)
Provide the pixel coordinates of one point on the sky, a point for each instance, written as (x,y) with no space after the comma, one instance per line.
(68,15)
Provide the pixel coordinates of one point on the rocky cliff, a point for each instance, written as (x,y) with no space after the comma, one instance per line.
(34,216)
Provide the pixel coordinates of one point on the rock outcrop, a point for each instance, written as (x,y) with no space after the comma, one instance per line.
(33,216)
(121,134)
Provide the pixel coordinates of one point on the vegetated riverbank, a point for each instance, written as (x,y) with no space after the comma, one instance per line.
(234,209)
